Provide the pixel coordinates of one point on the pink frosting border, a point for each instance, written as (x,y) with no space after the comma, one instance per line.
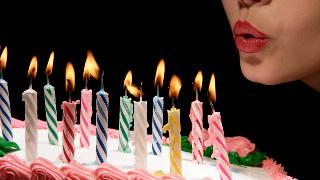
(240,144)
(42,168)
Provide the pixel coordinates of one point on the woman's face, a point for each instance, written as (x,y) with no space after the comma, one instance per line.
(278,40)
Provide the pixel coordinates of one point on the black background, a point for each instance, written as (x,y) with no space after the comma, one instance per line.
(190,36)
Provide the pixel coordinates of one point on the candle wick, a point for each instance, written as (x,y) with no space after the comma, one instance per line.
(86,83)
(102,85)
(211,103)
(48,80)
(69,85)
(30,83)
(1,73)
(212,107)
(158,90)
(70,99)
(197,95)
(141,91)
(172,101)
(125,92)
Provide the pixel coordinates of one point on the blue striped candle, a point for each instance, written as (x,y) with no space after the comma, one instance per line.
(102,109)
(5,113)
(157,123)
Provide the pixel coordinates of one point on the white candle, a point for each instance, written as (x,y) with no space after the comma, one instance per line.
(29,96)
(140,133)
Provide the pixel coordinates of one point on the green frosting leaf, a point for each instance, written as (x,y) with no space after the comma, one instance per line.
(7,147)
(253,159)
(2,153)
(208,151)
(185,145)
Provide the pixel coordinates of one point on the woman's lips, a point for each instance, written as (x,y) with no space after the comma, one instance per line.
(248,39)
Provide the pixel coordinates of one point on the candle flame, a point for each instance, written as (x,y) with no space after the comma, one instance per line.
(70,77)
(160,73)
(33,67)
(198,81)
(128,80)
(175,86)
(134,90)
(50,64)
(212,88)
(3,58)
(91,67)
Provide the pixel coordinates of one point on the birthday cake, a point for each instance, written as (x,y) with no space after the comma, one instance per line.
(120,165)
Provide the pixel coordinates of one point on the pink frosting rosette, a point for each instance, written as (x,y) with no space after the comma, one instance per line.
(11,167)
(275,170)
(42,168)
(107,171)
(141,174)
(74,171)
(240,144)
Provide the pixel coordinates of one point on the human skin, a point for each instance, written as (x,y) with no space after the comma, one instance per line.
(291,48)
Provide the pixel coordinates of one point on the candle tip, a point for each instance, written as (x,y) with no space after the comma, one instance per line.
(102,85)
(141,90)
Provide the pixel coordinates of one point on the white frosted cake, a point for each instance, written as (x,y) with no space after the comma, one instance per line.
(125,161)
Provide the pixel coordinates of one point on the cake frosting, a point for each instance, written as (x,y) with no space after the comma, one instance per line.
(120,165)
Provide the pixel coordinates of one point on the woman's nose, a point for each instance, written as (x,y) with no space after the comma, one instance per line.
(249,3)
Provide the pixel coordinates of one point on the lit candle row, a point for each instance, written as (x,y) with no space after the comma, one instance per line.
(128,112)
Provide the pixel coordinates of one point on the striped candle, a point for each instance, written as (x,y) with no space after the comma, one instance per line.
(29,96)
(157,123)
(174,129)
(216,136)
(196,116)
(85,117)
(125,120)
(69,120)
(51,113)
(140,134)
(5,113)
(102,109)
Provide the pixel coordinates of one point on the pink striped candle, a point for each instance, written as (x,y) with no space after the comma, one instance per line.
(69,121)
(196,116)
(216,135)
(69,118)
(85,117)
(91,69)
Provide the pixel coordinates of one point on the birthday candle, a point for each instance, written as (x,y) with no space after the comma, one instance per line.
(174,128)
(69,118)
(140,132)
(102,109)
(91,68)
(5,111)
(50,106)
(217,138)
(196,116)
(85,117)
(29,96)
(125,117)
(157,115)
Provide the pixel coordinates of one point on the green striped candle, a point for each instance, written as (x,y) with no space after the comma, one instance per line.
(50,106)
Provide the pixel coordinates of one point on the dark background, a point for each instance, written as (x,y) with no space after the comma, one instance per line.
(190,36)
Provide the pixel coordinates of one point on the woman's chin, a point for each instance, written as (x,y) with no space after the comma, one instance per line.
(265,77)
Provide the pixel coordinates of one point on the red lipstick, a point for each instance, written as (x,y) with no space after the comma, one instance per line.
(248,39)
